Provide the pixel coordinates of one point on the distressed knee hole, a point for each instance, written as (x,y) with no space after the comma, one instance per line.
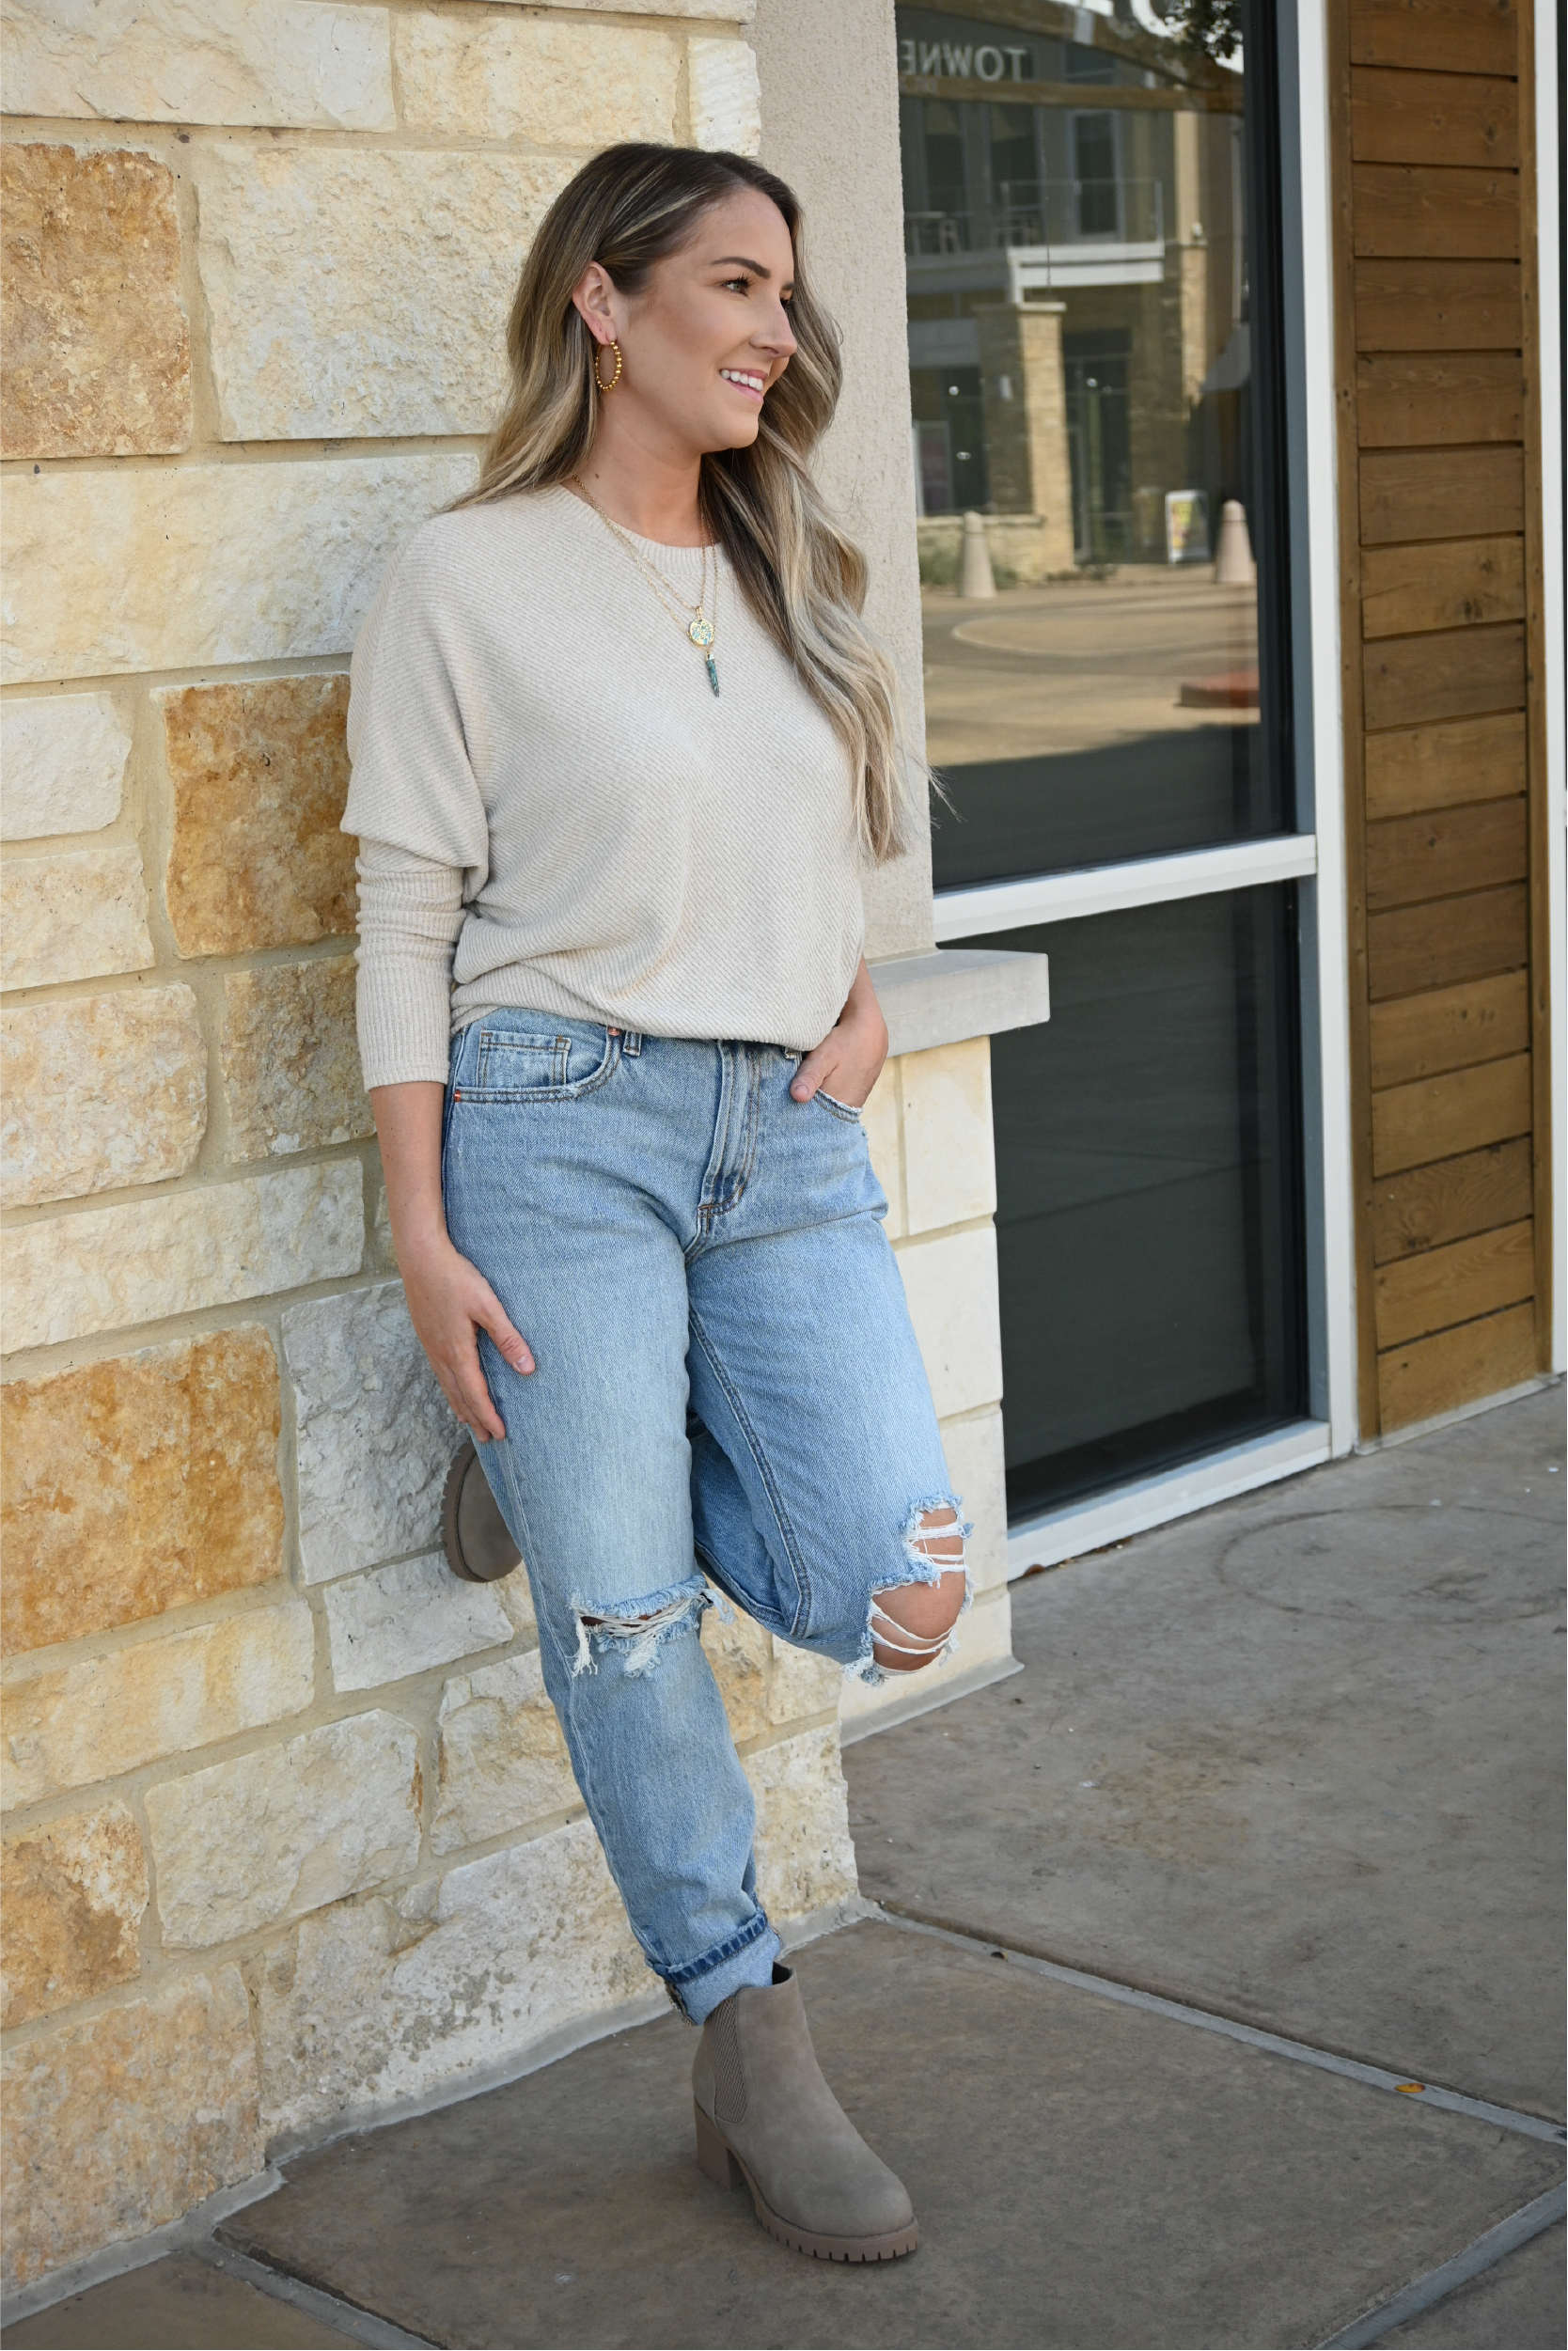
(638,1631)
(912,1624)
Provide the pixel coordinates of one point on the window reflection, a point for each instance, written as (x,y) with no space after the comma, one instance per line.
(1081,368)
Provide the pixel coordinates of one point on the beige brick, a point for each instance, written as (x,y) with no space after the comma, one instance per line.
(138,1483)
(78,916)
(100,1091)
(502,1758)
(802,1683)
(978,1467)
(948,1156)
(374,2001)
(231,61)
(402,1620)
(804,1858)
(739,1653)
(325,270)
(156,1698)
(880,1119)
(117,2125)
(181,567)
(723,96)
(260,774)
(107,1268)
(290,1058)
(375,1434)
(62,764)
(73,1893)
(951,1287)
(287,1829)
(523,77)
(97,347)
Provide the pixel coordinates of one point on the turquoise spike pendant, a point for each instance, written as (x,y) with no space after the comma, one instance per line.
(702,633)
(712,671)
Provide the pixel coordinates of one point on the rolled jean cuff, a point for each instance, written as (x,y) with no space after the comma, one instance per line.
(746,1958)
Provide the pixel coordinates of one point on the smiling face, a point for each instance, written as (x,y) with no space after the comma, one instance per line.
(707,336)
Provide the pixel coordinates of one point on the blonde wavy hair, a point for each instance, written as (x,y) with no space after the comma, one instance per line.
(627,209)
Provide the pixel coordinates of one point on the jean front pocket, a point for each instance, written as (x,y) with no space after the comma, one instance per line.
(512,1061)
(845,1110)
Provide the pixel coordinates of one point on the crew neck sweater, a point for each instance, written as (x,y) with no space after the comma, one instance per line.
(554,810)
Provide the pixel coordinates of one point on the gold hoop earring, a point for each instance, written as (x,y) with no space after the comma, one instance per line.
(615,377)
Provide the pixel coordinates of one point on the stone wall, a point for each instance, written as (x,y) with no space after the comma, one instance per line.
(291,1830)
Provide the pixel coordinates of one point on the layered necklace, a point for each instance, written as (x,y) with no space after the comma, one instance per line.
(697,624)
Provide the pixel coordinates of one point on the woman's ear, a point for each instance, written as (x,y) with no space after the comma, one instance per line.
(594,296)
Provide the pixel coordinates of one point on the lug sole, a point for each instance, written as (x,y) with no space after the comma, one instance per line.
(728,2170)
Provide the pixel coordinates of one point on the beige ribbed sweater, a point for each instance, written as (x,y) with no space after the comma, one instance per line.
(555,810)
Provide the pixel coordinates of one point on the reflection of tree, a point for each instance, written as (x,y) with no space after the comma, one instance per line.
(1214,26)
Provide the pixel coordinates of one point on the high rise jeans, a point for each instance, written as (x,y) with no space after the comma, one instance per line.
(727,1393)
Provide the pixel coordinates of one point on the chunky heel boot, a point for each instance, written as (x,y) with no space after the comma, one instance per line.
(766,2118)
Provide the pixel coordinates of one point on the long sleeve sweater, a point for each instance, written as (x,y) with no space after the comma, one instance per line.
(555,810)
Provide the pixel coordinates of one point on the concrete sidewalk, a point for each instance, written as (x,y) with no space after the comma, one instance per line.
(1216,1998)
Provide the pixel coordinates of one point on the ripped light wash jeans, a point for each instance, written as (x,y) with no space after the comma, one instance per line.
(727,1381)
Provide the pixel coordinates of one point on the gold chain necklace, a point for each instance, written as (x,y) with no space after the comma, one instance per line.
(701,631)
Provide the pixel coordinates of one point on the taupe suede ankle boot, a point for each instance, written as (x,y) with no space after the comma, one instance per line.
(766,2117)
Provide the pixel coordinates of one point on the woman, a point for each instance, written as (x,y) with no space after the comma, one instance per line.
(621,747)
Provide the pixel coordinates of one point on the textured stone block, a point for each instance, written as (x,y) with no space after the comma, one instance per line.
(949,1162)
(97,347)
(376,1435)
(100,1091)
(118,2126)
(138,1483)
(62,765)
(495,78)
(111,1267)
(79,916)
(231,61)
(325,270)
(72,1892)
(723,96)
(880,1119)
(738,1655)
(290,1829)
(373,2001)
(185,566)
(160,1697)
(951,1287)
(978,1469)
(290,1058)
(801,1683)
(397,1621)
(503,1760)
(804,1858)
(259,774)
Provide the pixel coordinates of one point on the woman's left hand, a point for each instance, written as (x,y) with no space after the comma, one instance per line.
(849,1061)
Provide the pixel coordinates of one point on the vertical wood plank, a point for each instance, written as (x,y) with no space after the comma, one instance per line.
(1542,849)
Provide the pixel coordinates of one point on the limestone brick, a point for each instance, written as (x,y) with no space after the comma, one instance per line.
(107,1268)
(802,1683)
(81,914)
(804,1858)
(880,1119)
(739,1653)
(374,2001)
(100,1091)
(290,1829)
(502,1757)
(181,567)
(259,774)
(231,61)
(948,1157)
(290,1058)
(156,1698)
(375,1434)
(137,1485)
(62,765)
(977,1470)
(119,2124)
(396,1620)
(325,269)
(98,349)
(725,11)
(950,1283)
(723,96)
(71,1898)
(524,77)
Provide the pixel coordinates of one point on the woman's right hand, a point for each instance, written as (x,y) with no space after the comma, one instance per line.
(450,1302)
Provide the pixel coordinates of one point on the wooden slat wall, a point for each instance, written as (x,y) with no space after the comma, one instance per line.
(1439,521)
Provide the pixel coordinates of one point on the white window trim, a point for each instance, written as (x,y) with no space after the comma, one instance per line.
(1109,889)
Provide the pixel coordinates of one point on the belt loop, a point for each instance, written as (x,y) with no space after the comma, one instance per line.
(631,1042)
